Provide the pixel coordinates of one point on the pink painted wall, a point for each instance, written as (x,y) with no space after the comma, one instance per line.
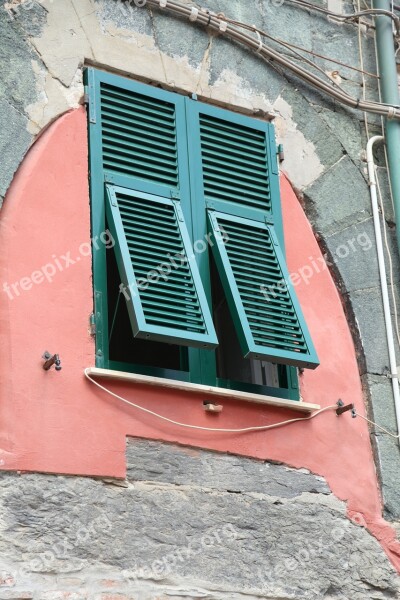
(60,423)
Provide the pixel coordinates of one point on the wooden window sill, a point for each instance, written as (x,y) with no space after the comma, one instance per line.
(214,392)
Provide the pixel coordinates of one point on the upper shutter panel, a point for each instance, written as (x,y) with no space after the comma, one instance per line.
(167,301)
(235,163)
(261,298)
(139,135)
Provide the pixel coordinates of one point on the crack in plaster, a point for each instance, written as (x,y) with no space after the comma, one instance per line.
(53,75)
(86,39)
(80,19)
(296,145)
(156,44)
(328,236)
(205,63)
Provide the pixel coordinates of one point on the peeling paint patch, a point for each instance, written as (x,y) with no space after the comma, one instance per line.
(235,91)
(92,35)
(301,160)
(53,98)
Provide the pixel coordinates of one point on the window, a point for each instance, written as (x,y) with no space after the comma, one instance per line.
(195,287)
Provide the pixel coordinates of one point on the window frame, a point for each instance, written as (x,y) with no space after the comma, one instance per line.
(201,364)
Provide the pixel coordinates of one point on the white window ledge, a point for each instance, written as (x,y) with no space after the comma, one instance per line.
(214,392)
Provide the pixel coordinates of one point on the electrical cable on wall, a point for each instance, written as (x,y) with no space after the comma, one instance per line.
(333,407)
(271,55)
(351,17)
(335,61)
(389,433)
(361,55)
(387,247)
(291,47)
(222,24)
(217,429)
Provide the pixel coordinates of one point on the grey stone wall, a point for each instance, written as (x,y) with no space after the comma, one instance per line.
(185,523)
(45,44)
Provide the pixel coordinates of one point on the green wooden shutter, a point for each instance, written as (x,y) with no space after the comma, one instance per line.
(235,166)
(239,184)
(140,191)
(139,135)
(158,269)
(263,304)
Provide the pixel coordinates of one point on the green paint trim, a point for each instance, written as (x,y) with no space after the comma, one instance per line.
(153,371)
(141,328)
(203,365)
(249,346)
(253,388)
(98,221)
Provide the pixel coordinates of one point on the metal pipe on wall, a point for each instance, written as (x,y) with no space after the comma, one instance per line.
(382,276)
(388,83)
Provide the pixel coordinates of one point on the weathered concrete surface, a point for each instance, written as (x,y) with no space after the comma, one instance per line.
(13,127)
(386,448)
(185,523)
(151,461)
(17,89)
(44,45)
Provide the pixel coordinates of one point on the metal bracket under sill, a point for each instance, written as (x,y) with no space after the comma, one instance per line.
(196,388)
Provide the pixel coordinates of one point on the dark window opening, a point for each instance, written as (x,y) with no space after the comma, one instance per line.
(123,346)
(231,365)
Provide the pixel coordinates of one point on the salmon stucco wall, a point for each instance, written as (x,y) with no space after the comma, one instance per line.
(58,422)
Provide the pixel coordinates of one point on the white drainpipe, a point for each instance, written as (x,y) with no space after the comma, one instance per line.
(382,276)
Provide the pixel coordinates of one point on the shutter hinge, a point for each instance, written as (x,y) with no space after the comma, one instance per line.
(214,223)
(174,194)
(92,325)
(280,152)
(98,312)
(269,220)
(273,153)
(273,236)
(91,96)
(210,205)
(113,197)
(178,210)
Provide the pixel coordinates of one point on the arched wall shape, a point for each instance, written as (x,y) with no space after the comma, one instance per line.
(57,422)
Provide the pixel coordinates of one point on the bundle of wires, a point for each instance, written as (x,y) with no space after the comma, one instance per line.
(244,34)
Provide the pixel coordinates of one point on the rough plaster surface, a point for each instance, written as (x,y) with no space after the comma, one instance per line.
(45,43)
(185,523)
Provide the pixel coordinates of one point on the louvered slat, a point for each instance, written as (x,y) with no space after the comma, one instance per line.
(235,163)
(166,298)
(264,307)
(139,136)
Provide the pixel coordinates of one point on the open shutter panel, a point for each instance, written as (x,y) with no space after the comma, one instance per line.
(261,298)
(158,269)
